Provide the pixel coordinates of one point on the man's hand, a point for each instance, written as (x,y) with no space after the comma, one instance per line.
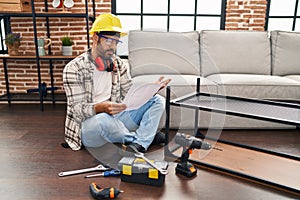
(109,107)
(163,83)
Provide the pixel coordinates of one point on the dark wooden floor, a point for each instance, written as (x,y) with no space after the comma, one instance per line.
(31,158)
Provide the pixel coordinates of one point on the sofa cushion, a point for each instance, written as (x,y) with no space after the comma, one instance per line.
(163,53)
(257,86)
(293,77)
(285,53)
(242,52)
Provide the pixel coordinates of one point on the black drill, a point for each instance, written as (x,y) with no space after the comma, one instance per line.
(188,143)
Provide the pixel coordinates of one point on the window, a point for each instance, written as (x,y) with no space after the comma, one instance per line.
(169,15)
(283,15)
(3,48)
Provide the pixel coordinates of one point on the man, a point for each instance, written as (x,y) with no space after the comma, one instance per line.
(95,84)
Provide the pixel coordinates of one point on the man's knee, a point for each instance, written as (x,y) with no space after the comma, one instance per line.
(160,100)
(93,124)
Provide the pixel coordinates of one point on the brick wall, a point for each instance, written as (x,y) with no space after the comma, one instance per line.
(241,15)
(245,14)
(23,73)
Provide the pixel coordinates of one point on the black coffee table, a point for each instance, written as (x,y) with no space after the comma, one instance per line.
(273,111)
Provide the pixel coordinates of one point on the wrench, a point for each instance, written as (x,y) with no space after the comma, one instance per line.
(80,171)
(141,155)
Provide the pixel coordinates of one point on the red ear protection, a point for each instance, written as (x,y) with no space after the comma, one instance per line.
(105,65)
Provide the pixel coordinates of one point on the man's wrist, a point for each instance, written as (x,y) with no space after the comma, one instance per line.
(98,108)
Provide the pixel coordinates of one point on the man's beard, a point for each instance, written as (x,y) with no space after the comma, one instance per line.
(108,54)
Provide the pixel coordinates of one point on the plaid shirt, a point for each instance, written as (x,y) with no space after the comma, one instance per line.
(78,85)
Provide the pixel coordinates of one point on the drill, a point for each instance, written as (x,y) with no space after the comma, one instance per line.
(188,143)
(103,193)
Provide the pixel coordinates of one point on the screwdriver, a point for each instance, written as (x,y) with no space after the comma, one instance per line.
(100,193)
(106,174)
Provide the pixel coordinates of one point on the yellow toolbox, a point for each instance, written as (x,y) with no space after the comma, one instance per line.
(15,5)
(136,170)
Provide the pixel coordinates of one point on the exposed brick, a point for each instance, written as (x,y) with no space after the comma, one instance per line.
(258,29)
(238,20)
(232,15)
(229,25)
(258,16)
(257,24)
(252,10)
(255,7)
(262,12)
(262,2)
(261,21)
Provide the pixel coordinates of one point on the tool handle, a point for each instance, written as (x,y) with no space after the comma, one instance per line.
(185,155)
(103,193)
(112,173)
(105,174)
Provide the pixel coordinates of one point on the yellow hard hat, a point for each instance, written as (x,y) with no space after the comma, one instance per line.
(107,22)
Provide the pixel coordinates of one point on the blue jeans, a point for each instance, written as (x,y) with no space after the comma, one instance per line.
(138,126)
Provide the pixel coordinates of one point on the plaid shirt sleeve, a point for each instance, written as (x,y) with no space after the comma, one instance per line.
(77,79)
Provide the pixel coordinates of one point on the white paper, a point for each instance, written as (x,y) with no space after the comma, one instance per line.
(139,94)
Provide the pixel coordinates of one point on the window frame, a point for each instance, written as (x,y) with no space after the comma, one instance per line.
(295,17)
(168,14)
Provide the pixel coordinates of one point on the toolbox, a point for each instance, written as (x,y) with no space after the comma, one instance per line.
(15,5)
(137,170)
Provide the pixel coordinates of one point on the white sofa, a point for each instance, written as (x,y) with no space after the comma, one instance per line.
(252,64)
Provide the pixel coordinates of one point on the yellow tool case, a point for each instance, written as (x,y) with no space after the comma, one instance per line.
(137,170)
